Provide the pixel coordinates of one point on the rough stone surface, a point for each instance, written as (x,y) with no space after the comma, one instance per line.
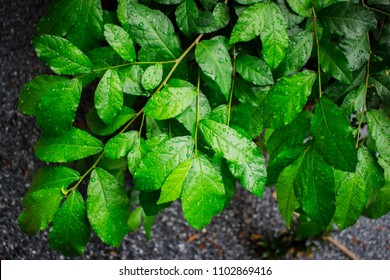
(234,234)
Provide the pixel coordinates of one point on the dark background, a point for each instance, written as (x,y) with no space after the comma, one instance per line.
(234,234)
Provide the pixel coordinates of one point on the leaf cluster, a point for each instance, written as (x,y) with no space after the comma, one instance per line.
(188,96)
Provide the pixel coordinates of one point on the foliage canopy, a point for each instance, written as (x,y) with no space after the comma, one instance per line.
(188,96)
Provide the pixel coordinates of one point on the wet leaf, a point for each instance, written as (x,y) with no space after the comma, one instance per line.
(167,156)
(62,56)
(108,207)
(203,194)
(215,62)
(71,231)
(44,197)
(73,145)
(333,136)
(245,160)
(109,97)
(171,101)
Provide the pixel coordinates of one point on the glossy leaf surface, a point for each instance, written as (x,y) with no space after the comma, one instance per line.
(44,197)
(74,144)
(203,194)
(71,231)
(108,207)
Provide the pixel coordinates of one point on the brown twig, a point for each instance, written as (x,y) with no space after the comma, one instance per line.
(341,247)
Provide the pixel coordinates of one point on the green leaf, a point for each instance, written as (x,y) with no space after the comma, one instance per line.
(102,58)
(229,182)
(249,118)
(186,15)
(73,145)
(298,53)
(357,51)
(109,97)
(172,187)
(116,167)
(333,136)
(131,79)
(168,2)
(215,62)
(57,107)
(155,128)
(149,202)
(120,145)
(152,77)
(382,48)
(245,160)
(292,135)
(369,169)
(266,20)
(350,199)
(62,56)
(34,90)
(347,19)
(88,28)
(70,232)
(120,41)
(379,126)
(53,22)
(382,86)
(167,156)
(203,194)
(334,62)
(135,154)
(280,161)
(301,7)
(248,2)
(171,101)
(44,197)
(150,28)
(135,219)
(380,204)
(354,100)
(287,98)
(148,224)
(254,70)
(188,117)
(219,19)
(98,127)
(245,93)
(315,187)
(108,207)
(285,191)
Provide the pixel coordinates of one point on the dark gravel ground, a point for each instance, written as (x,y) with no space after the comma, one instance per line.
(232,235)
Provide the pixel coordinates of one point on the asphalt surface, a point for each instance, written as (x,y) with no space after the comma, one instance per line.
(234,234)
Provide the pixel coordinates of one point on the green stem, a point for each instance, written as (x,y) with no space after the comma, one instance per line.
(65,192)
(132,120)
(232,85)
(141,126)
(177,62)
(318,51)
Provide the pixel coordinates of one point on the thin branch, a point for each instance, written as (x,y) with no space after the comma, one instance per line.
(341,247)
(66,192)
